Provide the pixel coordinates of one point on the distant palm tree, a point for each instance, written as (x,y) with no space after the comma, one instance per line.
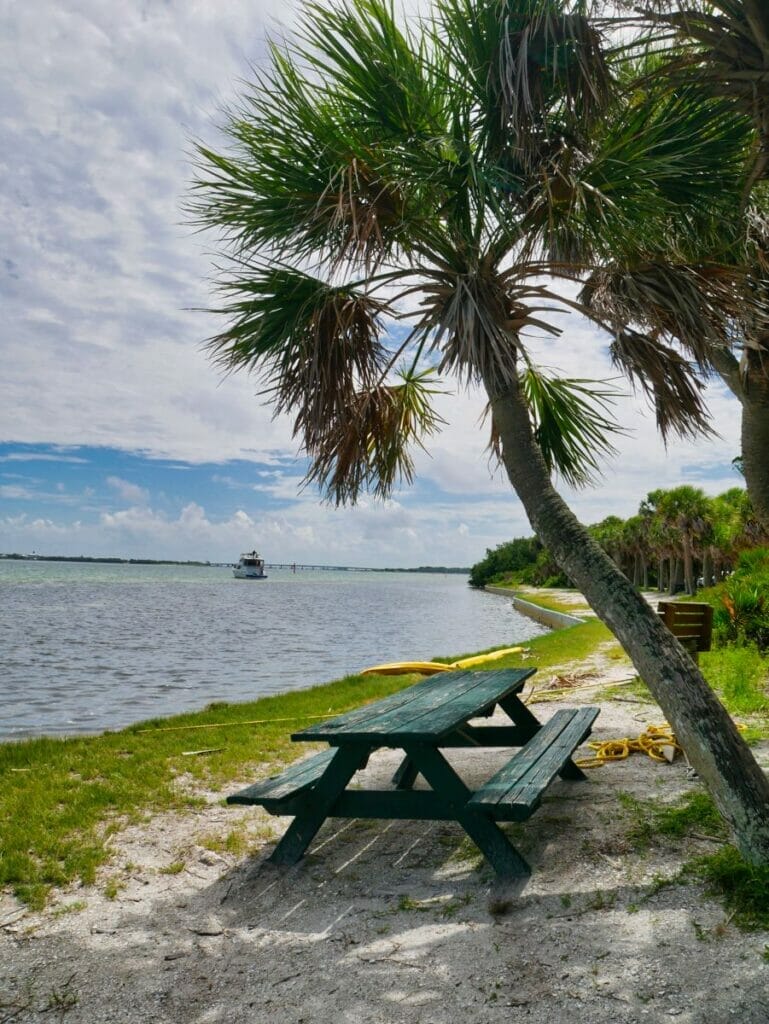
(444,175)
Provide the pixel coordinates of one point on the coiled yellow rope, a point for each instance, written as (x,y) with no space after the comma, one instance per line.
(650,742)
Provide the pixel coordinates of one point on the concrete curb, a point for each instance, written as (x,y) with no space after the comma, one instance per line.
(546,616)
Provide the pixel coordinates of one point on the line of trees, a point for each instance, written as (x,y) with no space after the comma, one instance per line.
(679,539)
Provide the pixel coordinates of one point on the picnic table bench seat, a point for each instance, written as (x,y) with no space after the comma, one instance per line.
(515,792)
(275,793)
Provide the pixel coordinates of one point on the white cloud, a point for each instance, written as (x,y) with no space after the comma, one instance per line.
(128,491)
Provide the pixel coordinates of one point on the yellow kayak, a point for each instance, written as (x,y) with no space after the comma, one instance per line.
(402,668)
(431,668)
(479,658)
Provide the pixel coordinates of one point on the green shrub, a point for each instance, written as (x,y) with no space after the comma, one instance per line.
(741,602)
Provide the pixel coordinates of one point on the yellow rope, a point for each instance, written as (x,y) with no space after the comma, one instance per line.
(650,742)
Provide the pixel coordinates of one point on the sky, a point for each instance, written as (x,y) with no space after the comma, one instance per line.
(117,435)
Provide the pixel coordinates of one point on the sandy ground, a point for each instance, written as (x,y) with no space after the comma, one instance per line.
(395,921)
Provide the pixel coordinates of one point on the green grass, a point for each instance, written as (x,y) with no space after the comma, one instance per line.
(743,888)
(558,649)
(653,823)
(553,604)
(61,798)
(740,676)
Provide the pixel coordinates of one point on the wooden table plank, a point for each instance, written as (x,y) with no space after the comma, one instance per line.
(433,708)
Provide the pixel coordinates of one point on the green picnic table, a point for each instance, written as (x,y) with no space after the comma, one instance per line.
(421,720)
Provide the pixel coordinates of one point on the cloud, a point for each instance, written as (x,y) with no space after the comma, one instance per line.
(128,491)
(40,457)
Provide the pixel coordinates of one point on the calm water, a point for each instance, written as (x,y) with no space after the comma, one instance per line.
(91,647)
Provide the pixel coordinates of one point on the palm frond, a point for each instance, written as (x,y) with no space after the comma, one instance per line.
(367,448)
(313,345)
(525,61)
(571,423)
(668,381)
(726,47)
(665,164)
(306,176)
(699,306)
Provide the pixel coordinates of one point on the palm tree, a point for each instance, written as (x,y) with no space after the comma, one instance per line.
(722,47)
(443,174)
(685,510)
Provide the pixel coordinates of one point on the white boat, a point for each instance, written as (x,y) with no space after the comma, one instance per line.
(250,567)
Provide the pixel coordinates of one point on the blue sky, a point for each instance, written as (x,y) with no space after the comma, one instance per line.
(117,437)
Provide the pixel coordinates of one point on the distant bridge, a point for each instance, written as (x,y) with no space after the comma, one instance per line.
(294,566)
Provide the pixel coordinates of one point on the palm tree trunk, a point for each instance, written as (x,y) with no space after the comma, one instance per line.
(688,562)
(703,727)
(661,577)
(752,390)
(644,571)
(676,575)
(755,449)
(707,569)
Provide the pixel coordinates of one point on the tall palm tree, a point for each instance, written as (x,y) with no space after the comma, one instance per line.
(722,47)
(685,510)
(447,174)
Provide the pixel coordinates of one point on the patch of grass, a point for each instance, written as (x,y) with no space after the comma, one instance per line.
(742,887)
(653,822)
(175,868)
(636,689)
(451,908)
(553,604)
(409,903)
(70,908)
(740,676)
(112,887)
(558,649)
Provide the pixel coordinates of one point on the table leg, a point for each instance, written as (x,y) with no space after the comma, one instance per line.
(520,715)
(405,774)
(484,832)
(320,799)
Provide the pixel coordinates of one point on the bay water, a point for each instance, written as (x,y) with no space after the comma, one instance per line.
(90,646)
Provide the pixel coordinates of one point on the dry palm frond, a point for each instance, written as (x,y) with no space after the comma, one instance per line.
(312,344)
(699,306)
(367,446)
(355,209)
(667,379)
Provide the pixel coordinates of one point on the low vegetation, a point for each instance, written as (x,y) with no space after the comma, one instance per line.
(61,799)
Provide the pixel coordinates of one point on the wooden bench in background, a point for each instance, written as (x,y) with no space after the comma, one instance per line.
(691,622)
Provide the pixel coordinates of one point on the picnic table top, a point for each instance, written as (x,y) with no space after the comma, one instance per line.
(425,711)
